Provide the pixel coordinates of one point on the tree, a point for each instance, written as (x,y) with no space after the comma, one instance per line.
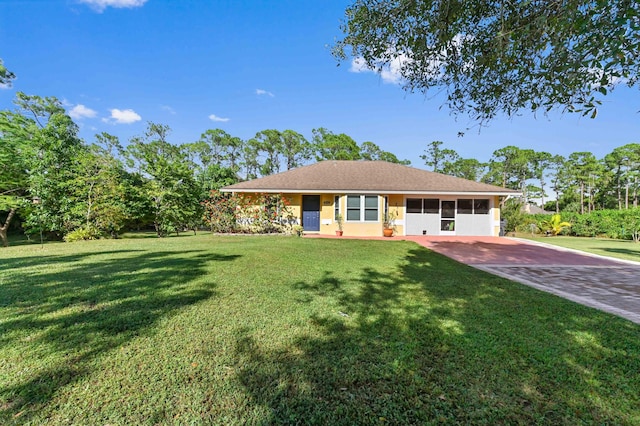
(541,162)
(371,152)
(6,76)
(100,195)
(327,145)
(269,143)
(511,167)
(500,56)
(582,167)
(625,163)
(170,183)
(557,166)
(466,168)
(50,153)
(437,157)
(13,170)
(295,149)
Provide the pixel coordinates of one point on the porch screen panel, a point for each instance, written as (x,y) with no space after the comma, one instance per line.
(432,205)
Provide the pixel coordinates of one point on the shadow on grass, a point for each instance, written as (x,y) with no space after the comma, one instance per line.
(436,341)
(628,252)
(73,309)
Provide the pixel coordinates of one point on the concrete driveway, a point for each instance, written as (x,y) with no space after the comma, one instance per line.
(602,283)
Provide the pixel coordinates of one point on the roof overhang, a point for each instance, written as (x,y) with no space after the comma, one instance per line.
(376,192)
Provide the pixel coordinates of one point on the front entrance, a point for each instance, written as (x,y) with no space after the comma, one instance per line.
(311,212)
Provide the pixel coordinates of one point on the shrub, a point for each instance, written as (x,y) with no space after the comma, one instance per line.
(253,213)
(82,234)
(553,224)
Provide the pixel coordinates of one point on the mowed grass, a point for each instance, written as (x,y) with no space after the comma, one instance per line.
(277,330)
(621,249)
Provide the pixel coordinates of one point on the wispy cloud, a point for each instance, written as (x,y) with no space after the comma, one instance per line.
(101,5)
(80,111)
(168,109)
(122,116)
(214,117)
(262,92)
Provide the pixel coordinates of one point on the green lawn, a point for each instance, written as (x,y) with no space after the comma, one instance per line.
(621,249)
(276,330)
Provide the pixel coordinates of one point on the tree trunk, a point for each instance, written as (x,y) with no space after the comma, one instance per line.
(626,196)
(581,197)
(5,228)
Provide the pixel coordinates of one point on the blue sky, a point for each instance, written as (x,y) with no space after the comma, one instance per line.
(245,66)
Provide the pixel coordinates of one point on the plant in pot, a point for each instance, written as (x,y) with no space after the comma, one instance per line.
(339,221)
(388,224)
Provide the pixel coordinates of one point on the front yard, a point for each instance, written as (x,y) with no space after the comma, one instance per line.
(261,330)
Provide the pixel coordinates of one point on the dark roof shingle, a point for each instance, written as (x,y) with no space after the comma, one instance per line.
(363,176)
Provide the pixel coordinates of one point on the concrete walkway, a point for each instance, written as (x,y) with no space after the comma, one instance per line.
(602,283)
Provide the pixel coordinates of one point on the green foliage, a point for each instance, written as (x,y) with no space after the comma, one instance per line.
(618,224)
(329,146)
(220,212)
(6,76)
(437,157)
(83,233)
(553,224)
(512,212)
(371,152)
(248,213)
(170,185)
(50,157)
(503,56)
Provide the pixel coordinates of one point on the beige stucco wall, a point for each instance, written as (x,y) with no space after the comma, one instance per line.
(396,203)
(496,216)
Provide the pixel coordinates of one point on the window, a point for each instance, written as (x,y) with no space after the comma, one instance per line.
(481,206)
(353,207)
(362,208)
(431,205)
(414,205)
(465,206)
(336,206)
(371,207)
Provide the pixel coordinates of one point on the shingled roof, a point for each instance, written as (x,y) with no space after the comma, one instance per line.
(378,177)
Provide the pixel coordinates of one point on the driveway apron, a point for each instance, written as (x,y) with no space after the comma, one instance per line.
(602,283)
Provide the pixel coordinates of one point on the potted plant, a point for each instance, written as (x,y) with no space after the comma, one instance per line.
(339,221)
(388,224)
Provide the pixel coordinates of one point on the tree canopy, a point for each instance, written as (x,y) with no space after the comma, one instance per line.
(504,56)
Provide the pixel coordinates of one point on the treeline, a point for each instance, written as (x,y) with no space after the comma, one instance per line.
(52,181)
(579,183)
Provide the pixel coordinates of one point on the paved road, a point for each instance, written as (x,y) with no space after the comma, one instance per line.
(603,283)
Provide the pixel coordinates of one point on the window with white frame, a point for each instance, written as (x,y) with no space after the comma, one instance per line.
(362,208)
(336,207)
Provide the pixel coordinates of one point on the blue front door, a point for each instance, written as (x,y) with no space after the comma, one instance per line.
(311,212)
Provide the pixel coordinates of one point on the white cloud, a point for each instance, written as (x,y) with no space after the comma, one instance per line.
(80,111)
(122,116)
(262,92)
(4,86)
(214,117)
(168,109)
(390,73)
(101,5)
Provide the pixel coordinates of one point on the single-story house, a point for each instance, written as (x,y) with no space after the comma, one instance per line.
(363,192)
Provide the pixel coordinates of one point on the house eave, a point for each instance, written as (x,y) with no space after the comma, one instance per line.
(373,192)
